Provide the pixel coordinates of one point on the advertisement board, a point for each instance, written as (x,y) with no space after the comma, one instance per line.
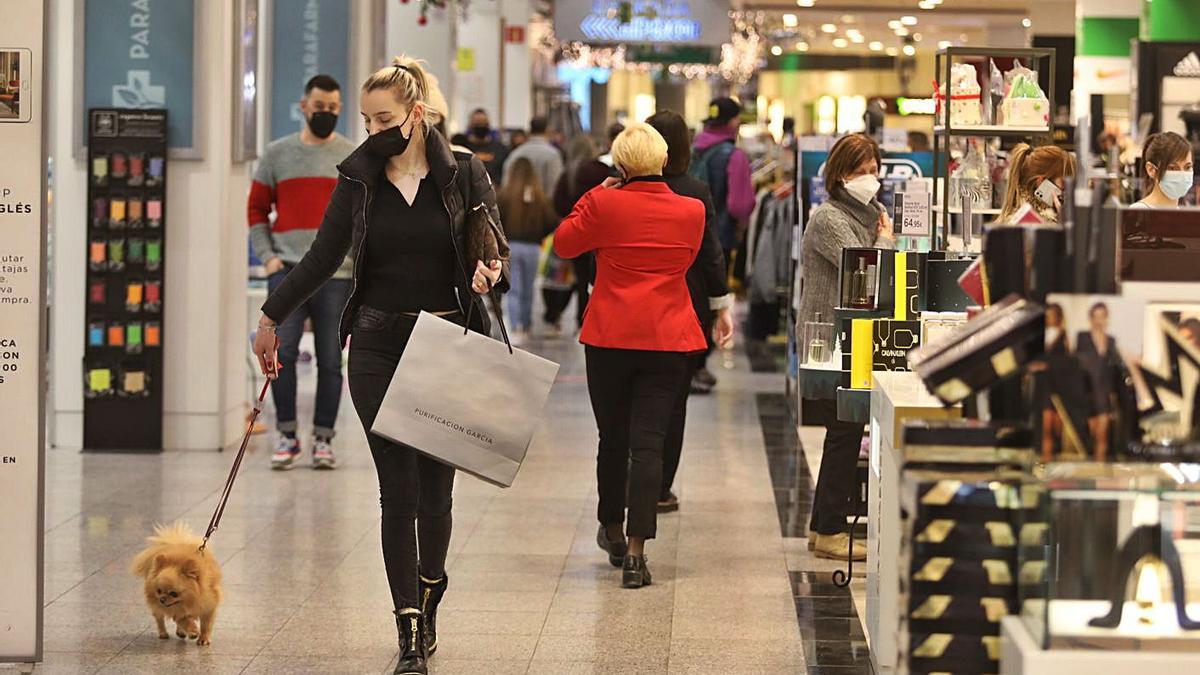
(309,37)
(670,22)
(22,329)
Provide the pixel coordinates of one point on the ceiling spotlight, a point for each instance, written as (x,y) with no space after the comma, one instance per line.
(801,46)
(1026,22)
(828,28)
(902,32)
(909,50)
(891,51)
(847,18)
(840,43)
(894,24)
(790,20)
(926,4)
(805,3)
(876,46)
(916,37)
(776,50)
(962,37)
(856,38)
(908,20)
(944,44)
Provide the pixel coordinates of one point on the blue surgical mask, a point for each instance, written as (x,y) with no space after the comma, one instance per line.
(1175,184)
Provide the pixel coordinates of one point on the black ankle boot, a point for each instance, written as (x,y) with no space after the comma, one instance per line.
(614,549)
(411,628)
(431,594)
(634,573)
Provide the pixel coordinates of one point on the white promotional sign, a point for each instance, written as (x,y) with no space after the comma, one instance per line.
(914,213)
(22,305)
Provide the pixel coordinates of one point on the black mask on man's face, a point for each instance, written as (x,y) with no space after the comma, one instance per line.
(322,123)
(481,130)
(389,142)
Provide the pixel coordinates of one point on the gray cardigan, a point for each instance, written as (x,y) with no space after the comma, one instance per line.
(840,223)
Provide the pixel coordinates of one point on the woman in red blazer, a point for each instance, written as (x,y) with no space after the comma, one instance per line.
(638,330)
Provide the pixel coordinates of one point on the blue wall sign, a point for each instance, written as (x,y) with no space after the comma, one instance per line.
(310,37)
(695,22)
(139,54)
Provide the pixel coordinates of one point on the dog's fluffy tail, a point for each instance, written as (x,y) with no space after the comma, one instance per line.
(164,535)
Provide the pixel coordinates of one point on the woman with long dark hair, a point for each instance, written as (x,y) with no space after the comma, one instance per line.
(411,212)
(582,172)
(528,217)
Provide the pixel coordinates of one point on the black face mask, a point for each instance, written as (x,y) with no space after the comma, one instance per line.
(389,142)
(481,131)
(322,123)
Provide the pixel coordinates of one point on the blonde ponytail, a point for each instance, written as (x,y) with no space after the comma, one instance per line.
(408,80)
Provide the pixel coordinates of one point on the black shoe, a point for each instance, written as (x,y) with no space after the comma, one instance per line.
(668,503)
(705,376)
(431,595)
(411,627)
(615,549)
(634,573)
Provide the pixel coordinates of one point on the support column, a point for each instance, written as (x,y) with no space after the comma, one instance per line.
(1104,33)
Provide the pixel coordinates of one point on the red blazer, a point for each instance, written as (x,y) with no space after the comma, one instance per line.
(645,237)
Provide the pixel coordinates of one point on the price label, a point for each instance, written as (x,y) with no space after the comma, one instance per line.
(912,215)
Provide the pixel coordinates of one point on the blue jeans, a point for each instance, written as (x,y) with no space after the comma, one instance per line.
(523,262)
(325,309)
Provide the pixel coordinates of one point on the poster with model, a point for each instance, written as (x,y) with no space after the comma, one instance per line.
(15,66)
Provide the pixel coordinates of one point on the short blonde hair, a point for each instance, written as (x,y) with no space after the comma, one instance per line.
(408,79)
(640,150)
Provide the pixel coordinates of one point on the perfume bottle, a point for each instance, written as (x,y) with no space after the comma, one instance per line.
(818,339)
(860,294)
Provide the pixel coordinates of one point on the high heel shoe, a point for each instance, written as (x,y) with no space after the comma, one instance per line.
(413,657)
(431,595)
(634,573)
(615,549)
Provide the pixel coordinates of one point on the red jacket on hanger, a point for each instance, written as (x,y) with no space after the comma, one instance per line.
(645,237)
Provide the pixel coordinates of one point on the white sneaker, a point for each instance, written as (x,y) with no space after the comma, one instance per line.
(286,451)
(322,457)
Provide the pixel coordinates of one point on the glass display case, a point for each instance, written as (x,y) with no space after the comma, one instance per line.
(1110,558)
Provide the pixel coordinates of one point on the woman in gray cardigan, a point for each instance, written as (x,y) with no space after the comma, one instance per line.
(852,218)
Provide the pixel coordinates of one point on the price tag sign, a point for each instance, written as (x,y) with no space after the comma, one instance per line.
(911,215)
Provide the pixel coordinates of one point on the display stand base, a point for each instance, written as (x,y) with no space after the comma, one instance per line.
(1021,655)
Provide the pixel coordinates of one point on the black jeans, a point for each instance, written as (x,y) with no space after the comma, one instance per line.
(412,486)
(673,446)
(839,463)
(633,394)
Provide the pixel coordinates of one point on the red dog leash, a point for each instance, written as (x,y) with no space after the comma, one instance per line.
(237,465)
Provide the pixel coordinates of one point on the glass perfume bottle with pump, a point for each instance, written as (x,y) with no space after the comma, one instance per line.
(818,341)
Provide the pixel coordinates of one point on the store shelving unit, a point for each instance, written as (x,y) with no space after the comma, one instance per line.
(943,130)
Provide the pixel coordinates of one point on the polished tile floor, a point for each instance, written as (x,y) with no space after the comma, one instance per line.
(529,592)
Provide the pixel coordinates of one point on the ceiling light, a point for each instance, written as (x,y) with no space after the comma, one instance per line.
(876,46)
(926,4)
(790,21)
(828,28)
(891,51)
(806,3)
(908,20)
(801,46)
(847,18)
(962,37)
(857,38)
(776,50)
(916,37)
(909,50)
(894,24)
(902,32)
(840,43)
(1026,22)
(944,44)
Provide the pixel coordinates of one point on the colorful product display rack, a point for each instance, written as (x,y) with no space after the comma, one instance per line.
(126,226)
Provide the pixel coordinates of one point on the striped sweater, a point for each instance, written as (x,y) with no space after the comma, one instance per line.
(295,181)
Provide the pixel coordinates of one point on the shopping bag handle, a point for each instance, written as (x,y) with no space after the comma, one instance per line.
(499,320)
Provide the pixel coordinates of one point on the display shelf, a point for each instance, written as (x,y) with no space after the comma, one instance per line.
(992,130)
(978,212)
(854,405)
(820,382)
(1020,655)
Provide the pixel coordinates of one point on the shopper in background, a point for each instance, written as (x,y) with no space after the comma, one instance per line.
(399,195)
(516,139)
(485,143)
(295,178)
(708,285)
(918,141)
(851,218)
(637,333)
(1167,162)
(605,158)
(725,168)
(1037,176)
(583,172)
(547,161)
(528,218)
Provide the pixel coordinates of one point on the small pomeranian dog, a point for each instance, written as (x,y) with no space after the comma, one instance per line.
(183,583)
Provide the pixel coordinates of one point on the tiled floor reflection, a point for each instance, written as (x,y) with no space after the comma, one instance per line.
(529,592)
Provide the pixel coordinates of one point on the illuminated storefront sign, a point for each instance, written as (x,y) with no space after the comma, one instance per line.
(915,106)
(698,22)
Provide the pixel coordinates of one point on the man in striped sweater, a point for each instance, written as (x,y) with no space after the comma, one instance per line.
(294,179)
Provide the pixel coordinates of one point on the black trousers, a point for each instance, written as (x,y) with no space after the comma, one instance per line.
(673,447)
(414,490)
(839,463)
(633,394)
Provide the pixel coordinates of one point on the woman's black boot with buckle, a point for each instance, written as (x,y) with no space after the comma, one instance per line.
(411,627)
(432,591)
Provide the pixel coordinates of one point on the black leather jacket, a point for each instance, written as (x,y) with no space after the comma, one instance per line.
(461,179)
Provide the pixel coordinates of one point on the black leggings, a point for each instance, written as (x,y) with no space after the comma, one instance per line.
(411,485)
(839,463)
(633,394)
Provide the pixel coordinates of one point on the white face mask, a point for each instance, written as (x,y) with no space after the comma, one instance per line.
(863,188)
(1175,184)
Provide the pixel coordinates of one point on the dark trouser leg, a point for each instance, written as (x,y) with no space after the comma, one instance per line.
(610,383)
(373,359)
(556,302)
(325,308)
(835,482)
(583,277)
(283,388)
(434,518)
(656,387)
(673,446)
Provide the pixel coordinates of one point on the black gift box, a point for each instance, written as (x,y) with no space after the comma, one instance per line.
(880,282)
